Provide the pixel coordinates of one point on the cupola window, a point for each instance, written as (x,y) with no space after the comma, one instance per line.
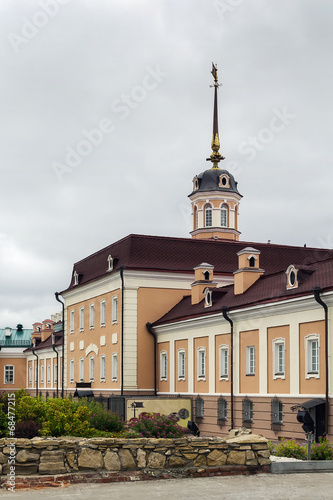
(208,297)
(291,277)
(206,275)
(224,181)
(252,261)
(195,217)
(208,216)
(224,216)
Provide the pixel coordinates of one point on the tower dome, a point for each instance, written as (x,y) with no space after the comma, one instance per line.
(215,197)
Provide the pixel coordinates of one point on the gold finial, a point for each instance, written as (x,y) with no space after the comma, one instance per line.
(215,157)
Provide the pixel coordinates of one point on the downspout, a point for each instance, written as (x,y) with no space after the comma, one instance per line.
(151,331)
(122,268)
(224,312)
(55,350)
(63,343)
(34,353)
(317,290)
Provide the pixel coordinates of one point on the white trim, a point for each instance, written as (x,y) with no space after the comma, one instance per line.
(163,366)
(181,364)
(225,349)
(71,370)
(4,374)
(308,341)
(114,303)
(72,320)
(114,367)
(102,368)
(276,345)
(91,369)
(81,369)
(92,316)
(201,363)
(81,319)
(102,310)
(250,363)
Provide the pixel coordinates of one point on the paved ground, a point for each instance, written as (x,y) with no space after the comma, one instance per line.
(261,487)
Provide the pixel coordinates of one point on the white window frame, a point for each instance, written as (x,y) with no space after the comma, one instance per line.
(30,375)
(48,373)
(208,297)
(103,367)
(92,316)
(8,369)
(114,367)
(163,365)
(55,373)
(224,212)
(208,223)
(115,309)
(181,364)
(224,362)
(91,369)
(277,412)
(201,363)
(250,360)
(81,369)
(279,358)
(71,370)
(71,321)
(42,373)
(110,263)
(81,320)
(103,312)
(309,340)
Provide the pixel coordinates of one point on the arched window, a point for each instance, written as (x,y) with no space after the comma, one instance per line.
(252,261)
(195,217)
(224,216)
(208,216)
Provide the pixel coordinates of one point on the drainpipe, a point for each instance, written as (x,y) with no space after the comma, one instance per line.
(317,290)
(224,312)
(55,350)
(34,353)
(122,268)
(151,331)
(63,343)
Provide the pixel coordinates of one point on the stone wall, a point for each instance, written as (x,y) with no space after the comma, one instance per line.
(72,455)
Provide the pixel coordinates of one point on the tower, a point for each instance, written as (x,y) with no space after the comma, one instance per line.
(215,197)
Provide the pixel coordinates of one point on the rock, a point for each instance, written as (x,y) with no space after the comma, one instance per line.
(236,458)
(216,457)
(190,456)
(200,461)
(264,461)
(21,469)
(264,453)
(126,459)
(3,458)
(141,458)
(248,439)
(52,462)
(176,461)
(90,459)
(249,455)
(239,432)
(111,461)
(71,459)
(156,460)
(26,456)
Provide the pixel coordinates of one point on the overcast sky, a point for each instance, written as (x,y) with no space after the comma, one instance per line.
(106,116)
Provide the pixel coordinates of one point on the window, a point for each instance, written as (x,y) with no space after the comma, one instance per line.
(81,368)
(71,321)
(48,374)
(247,410)
(222,407)
(208,298)
(114,309)
(103,312)
(55,374)
(42,374)
(279,358)
(110,263)
(92,369)
(199,407)
(195,217)
(164,365)
(224,216)
(250,360)
(92,316)
(81,319)
(277,411)
(181,364)
(312,356)
(30,374)
(201,358)
(224,362)
(291,277)
(76,278)
(114,367)
(103,368)
(9,374)
(252,261)
(208,216)
(71,370)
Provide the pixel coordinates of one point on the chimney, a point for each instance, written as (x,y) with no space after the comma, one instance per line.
(203,278)
(248,271)
(47,329)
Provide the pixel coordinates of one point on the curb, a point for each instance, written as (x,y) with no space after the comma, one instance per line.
(299,467)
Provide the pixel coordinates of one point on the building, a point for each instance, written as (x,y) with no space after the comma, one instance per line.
(236,326)
(13,342)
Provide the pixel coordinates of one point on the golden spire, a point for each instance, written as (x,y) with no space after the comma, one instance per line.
(215,157)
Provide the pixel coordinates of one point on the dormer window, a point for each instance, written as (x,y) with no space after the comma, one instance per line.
(208,297)
(195,184)
(252,261)
(76,278)
(224,181)
(206,275)
(110,263)
(291,277)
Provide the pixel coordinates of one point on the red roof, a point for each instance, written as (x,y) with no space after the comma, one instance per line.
(268,289)
(167,254)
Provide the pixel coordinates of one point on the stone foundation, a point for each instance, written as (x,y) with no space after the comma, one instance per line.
(141,457)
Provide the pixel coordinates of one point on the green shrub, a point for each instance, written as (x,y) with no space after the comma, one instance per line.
(64,418)
(29,408)
(101,419)
(288,448)
(322,450)
(155,425)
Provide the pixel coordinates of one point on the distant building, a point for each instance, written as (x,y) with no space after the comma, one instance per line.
(13,342)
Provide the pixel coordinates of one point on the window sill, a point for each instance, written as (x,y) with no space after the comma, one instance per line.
(250,374)
(91,328)
(225,377)
(201,379)
(181,379)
